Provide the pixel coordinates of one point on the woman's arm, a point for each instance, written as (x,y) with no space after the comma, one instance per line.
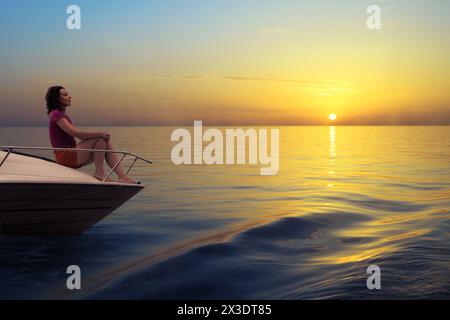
(82,135)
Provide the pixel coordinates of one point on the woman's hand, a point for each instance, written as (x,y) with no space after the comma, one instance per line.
(105,136)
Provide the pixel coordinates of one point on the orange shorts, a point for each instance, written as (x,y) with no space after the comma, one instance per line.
(67,158)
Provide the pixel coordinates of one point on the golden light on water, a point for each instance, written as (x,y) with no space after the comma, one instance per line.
(332,116)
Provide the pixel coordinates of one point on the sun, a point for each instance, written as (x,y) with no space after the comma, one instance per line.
(332,116)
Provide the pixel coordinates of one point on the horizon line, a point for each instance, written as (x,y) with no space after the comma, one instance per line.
(242,124)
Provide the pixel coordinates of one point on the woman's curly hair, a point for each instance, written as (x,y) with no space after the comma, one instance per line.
(52,98)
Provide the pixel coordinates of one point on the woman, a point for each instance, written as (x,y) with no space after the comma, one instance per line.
(63,133)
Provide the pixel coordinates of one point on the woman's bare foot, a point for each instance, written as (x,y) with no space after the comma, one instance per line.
(101,177)
(126,179)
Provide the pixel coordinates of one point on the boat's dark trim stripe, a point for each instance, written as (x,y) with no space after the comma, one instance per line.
(74,184)
(54,209)
(46,223)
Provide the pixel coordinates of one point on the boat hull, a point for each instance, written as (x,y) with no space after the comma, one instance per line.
(58,208)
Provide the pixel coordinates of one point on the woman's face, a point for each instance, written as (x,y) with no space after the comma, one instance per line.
(64,98)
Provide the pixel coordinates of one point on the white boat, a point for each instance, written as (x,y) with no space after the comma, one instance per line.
(39,196)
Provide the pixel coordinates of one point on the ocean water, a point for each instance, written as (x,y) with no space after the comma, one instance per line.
(344,198)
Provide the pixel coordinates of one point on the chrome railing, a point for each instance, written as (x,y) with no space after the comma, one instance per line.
(10,149)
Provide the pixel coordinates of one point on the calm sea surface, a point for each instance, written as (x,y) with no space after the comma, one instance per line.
(344,198)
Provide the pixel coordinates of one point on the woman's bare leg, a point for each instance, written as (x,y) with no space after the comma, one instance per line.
(87,157)
(99,159)
(112,159)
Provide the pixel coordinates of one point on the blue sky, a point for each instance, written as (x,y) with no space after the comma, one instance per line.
(175,57)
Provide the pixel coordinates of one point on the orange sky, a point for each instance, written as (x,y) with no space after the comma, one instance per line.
(231,63)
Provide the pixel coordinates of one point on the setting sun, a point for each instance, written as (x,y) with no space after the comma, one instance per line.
(332,116)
